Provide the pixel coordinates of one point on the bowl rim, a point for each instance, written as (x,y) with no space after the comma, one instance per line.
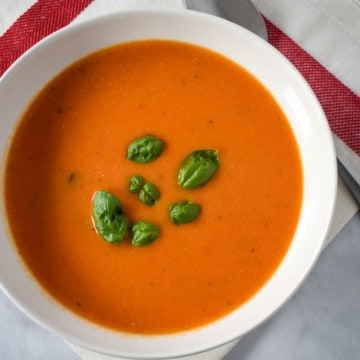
(188,16)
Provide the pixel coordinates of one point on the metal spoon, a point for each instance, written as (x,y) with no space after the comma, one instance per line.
(348,167)
(241,12)
(244,13)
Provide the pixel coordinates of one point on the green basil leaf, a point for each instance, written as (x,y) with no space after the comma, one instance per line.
(144,233)
(184,212)
(145,149)
(149,194)
(108,217)
(136,183)
(198,168)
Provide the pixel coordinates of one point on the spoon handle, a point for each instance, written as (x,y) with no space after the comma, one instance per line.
(348,167)
(350,182)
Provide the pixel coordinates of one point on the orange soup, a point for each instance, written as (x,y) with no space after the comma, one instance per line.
(73,140)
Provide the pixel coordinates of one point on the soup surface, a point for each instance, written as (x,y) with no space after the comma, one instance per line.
(72,141)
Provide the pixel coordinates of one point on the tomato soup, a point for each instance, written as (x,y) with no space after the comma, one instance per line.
(72,141)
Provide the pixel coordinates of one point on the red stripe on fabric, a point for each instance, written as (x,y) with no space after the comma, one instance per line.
(40,20)
(340,104)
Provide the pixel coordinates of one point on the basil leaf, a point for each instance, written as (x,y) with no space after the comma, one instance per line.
(137,182)
(144,233)
(198,168)
(184,212)
(108,217)
(149,194)
(145,149)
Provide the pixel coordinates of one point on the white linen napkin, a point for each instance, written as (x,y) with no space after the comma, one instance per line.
(329,30)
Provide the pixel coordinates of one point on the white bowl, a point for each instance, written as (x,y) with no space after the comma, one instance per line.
(45,60)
